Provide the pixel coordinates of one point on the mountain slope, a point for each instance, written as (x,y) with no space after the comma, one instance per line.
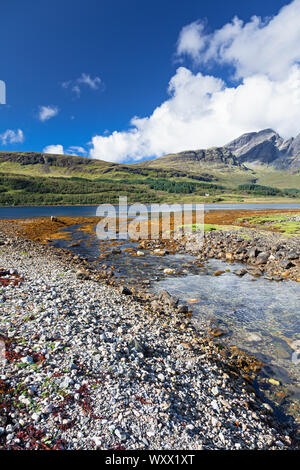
(49,165)
(197,160)
(196,165)
(43,163)
(266,147)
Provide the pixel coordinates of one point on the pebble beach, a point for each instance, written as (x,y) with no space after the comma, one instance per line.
(87,366)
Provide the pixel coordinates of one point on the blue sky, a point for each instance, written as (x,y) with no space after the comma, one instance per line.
(94,65)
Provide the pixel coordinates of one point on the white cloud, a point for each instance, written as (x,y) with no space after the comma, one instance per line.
(202,110)
(260,46)
(54,149)
(59,150)
(12,137)
(47,112)
(84,79)
(191,40)
(75,150)
(76,90)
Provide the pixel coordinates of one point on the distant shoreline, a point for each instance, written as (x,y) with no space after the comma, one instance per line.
(150,203)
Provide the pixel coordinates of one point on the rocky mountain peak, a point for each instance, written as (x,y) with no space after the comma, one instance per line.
(266,147)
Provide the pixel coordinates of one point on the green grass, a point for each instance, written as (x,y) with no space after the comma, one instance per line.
(277,222)
(278,179)
(267,218)
(201,227)
(209,227)
(263,219)
(288,228)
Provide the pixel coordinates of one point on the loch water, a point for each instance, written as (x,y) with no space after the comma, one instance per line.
(87,211)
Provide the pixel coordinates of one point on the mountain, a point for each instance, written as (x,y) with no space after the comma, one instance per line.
(215,158)
(294,145)
(250,151)
(267,147)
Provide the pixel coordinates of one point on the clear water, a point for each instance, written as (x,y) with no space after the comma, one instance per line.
(131,268)
(85,211)
(259,316)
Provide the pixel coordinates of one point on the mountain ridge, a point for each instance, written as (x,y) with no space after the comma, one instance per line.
(214,157)
(262,148)
(267,147)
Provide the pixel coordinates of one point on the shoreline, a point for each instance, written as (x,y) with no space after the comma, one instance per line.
(179,339)
(263,251)
(150,203)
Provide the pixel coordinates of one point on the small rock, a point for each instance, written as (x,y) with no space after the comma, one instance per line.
(240,272)
(120,435)
(66,382)
(35,417)
(125,291)
(183,309)
(267,407)
(218,273)
(274,382)
(169,271)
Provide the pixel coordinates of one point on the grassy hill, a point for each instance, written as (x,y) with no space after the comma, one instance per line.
(215,175)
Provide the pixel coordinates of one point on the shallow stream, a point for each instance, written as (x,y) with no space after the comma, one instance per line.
(260,316)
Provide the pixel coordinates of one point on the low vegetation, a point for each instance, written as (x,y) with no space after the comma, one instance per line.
(39,179)
(287,224)
(260,190)
(21,189)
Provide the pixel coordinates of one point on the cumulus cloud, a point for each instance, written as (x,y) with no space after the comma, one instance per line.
(192,40)
(203,110)
(59,150)
(259,46)
(84,79)
(54,149)
(12,137)
(47,112)
(76,150)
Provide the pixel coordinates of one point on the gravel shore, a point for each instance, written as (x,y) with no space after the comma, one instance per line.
(90,368)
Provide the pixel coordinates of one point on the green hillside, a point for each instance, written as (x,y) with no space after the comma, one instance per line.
(31,178)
